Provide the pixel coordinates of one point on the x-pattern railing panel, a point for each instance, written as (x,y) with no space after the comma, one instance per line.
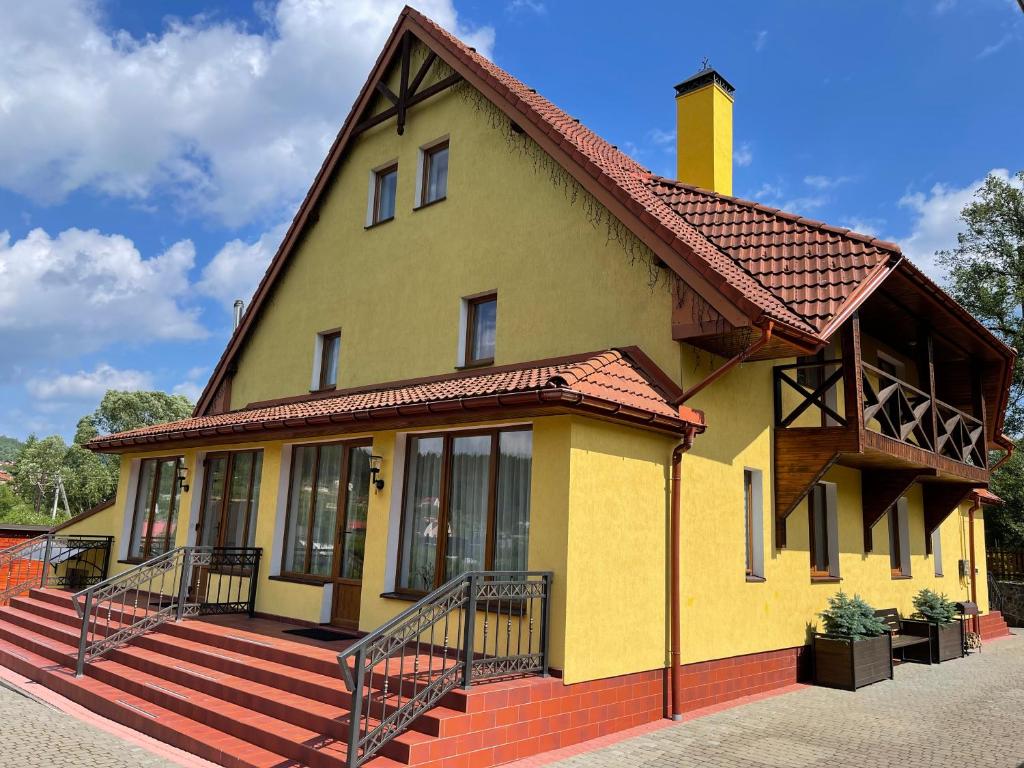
(826,376)
(432,647)
(901,410)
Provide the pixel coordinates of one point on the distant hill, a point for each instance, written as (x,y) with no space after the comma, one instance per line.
(9,448)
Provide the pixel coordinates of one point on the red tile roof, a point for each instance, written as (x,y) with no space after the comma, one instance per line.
(985,496)
(607,383)
(5,477)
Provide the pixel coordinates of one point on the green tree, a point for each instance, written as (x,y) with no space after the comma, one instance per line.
(9,448)
(986,275)
(37,468)
(121,411)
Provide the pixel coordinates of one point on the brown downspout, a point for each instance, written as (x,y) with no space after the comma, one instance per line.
(674,545)
(1007,444)
(766,335)
(975,506)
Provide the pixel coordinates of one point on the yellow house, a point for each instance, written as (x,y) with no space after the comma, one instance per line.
(493,343)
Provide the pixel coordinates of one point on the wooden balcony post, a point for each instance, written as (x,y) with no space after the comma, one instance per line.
(853,384)
(978,395)
(928,360)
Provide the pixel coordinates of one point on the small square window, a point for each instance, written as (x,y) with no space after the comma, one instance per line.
(330,351)
(435,174)
(384,189)
(481,329)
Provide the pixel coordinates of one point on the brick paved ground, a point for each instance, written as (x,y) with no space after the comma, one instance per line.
(35,734)
(966,712)
(963,712)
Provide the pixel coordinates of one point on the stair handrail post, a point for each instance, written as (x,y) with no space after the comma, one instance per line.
(356,711)
(83,638)
(545,631)
(46,559)
(106,557)
(254,575)
(185,581)
(469,639)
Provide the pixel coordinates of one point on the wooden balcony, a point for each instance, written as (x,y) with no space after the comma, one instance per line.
(843,410)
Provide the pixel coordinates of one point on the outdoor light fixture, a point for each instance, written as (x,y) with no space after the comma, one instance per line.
(183,477)
(376,462)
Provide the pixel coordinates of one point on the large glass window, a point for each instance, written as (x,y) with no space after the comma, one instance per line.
(317,495)
(155,518)
(466,506)
(230,499)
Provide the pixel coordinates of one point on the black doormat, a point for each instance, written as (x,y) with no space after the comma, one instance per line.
(322,634)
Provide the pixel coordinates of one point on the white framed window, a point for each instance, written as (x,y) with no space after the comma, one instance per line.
(823,530)
(753,523)
(326,356)
(382,194)
(899,538)
(432,173)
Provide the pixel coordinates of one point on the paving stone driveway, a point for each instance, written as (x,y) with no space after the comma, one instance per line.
(966,712)
(34,734)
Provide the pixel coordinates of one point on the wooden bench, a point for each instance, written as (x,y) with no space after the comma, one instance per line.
(903,637)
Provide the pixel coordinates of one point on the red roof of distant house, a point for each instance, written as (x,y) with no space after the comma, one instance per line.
(615,384)
(5,477)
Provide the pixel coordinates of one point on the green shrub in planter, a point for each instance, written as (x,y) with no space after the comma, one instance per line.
(855,648)
(931,606)
(850,617)
(945,632)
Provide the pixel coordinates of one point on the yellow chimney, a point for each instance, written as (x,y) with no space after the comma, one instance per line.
(704,131)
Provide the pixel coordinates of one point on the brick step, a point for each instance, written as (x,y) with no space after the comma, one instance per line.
(293,655)
(242,665)
(320,713)
(296,743)
(993,625)
(143,716)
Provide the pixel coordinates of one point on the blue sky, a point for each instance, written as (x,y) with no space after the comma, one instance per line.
(151,154)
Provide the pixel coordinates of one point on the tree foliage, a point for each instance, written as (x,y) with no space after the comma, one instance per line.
(9,448)
(88,478)
(986,275)
(934,607)
(851,617)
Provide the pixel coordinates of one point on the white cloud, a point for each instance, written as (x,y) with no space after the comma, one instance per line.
(938,221)
(88,385)
(826,182)
(995,47)
(233,123)
(943,6)
(760,40)
(82,290)
(743,155)
(872,227)
(192,386)
(533,6)
(237,268)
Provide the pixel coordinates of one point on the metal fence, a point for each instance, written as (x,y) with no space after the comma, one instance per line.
(53,560)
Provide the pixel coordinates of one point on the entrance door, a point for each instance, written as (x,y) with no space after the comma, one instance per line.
(353,499)
(231,489)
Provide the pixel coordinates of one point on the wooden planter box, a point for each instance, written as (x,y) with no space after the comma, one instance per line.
(852,664)
(947,640)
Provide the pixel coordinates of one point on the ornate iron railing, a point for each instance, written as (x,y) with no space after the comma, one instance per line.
(186,581)
(53,560)
(479,626)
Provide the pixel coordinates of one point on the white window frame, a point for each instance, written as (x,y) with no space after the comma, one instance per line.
(902,511)
(421,167)
(463,353)
(756,516)
(937,550)
(318,358)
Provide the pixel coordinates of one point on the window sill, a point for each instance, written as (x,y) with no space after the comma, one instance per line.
(311,581)
(402,596)
(129,561)
(901,577)
(475,364)
(751,579)
(421,206)
(322,390)
(825,579)
(378,223)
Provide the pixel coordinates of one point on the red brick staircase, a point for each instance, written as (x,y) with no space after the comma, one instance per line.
(243,699)
(993,626)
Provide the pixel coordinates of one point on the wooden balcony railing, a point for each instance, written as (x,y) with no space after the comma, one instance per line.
(814,395)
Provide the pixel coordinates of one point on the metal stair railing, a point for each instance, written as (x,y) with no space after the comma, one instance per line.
(182,582)
(53,560)
(479,626)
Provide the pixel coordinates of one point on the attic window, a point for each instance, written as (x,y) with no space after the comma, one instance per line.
(434,173)
(328,350)
(385,188)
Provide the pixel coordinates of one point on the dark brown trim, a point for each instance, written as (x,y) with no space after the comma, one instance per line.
(251,510)
(825,579)
(378,178)
(308,581)
(472,306)
(172,513)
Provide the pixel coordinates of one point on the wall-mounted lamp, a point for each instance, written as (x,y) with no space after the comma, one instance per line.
(183,477)
(376,462)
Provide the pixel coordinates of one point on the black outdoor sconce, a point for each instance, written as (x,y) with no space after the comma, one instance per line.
(183,477)
(376,462)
